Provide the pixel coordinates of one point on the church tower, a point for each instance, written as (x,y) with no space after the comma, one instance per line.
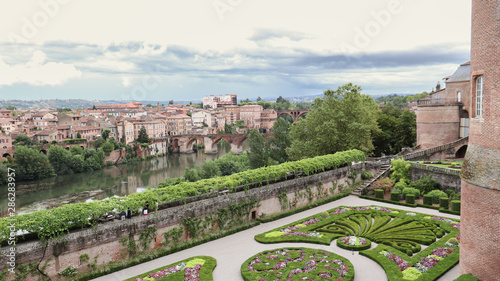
(480,219)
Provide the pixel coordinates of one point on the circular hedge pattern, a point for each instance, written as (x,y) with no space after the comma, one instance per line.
(354,243)
(292,264)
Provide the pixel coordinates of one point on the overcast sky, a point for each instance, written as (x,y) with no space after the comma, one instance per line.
(183,50)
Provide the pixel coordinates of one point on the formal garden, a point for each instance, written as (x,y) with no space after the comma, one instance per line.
(407,245)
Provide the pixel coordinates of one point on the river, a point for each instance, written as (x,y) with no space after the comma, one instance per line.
(118,180)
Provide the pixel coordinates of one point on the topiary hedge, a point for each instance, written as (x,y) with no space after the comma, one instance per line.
(413,191)
(427,199)
(395,196)
(455,205)
(410,199)
(379,193)
(444,202)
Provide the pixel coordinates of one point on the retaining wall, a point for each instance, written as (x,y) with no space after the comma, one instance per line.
(446,178)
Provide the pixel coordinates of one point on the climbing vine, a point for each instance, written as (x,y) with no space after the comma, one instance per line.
(283,200)
(173,235)
(146,236)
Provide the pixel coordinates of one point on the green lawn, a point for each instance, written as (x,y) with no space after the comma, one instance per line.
(441,165)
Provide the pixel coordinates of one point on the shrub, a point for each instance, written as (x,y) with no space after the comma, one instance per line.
(455,205)
(450,192)
(457,196)
(413,191)
(379,193)
(427,199)
(384,184)
(400,170)
(400,185)
(325,214)
(453,241)
(395,196)
(436,194)
(366,175)
(444,202)
(425,185)
(410,199)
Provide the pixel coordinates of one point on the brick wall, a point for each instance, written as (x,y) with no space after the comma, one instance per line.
(437,125)
(446,178)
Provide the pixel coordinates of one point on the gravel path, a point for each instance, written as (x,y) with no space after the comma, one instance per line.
(231,251)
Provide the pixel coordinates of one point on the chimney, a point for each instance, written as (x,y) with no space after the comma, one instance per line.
(438,86)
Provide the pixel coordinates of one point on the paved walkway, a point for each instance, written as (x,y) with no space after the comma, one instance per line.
(231,251)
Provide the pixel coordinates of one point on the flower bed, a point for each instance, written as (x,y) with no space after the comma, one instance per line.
(397,231)
(354,243)
(297,264)
(198,268)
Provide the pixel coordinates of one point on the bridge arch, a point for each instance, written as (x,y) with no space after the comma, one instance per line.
(461,152)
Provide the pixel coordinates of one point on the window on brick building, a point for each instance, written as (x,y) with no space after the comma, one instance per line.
(479,96)
(459,96)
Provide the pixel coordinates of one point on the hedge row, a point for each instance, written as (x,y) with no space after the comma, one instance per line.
(442,210)
(467,277)
(57,222)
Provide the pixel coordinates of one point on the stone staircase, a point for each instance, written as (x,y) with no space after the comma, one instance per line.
(382,171)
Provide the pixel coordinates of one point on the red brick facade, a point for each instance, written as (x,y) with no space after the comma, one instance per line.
(437,125)
(480,231)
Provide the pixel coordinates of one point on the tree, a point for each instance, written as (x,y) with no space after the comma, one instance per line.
(78,135)
(343,119)
(282,104)
(60,160)
(259,99)
(258,155)
(23,140)
(105,133)
(107,147)
(149,105)
(281,141)
(31,164)
(93,107)
(171,102)
(397,130)
(143,136)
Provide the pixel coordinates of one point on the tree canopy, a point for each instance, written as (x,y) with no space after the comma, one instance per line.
(343,119)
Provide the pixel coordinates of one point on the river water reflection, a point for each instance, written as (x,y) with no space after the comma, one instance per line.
(116,180)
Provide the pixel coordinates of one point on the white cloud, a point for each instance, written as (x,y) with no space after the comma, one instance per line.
(37,72)
(125,81)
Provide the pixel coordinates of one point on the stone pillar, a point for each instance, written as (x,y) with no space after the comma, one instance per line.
(480,224)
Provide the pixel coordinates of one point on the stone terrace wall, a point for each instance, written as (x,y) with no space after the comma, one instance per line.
(104,239)
(446,178)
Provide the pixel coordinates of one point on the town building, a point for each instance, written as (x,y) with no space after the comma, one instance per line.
(251,114)
(219,101)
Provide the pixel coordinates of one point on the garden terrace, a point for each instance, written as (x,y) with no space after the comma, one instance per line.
(191,269)
(47,224)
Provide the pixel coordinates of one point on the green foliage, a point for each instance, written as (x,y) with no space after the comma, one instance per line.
(22,140)
(343,119)
(84,257)
(455,205)
(107,147)
(366,175)
(397,130)
(69,271)
(400,186)
(379,193)
(444,202)
(259,152)
(467,277)
(425,185)
(427,199)
(78,135)
(283,198)
(147,236)
(385,184)
(395,196)
(415,192)
(60,159)
(410,198)
(143,136)
(173,236)
(281,141)
(282,104)
(31,164)
(400,170)
(436,194)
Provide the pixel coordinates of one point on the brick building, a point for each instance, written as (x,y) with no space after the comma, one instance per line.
(251,115)
(219,101)
(480,224)
(443,116)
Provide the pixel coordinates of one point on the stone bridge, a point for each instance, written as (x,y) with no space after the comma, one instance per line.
(185,143)
(295,114)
